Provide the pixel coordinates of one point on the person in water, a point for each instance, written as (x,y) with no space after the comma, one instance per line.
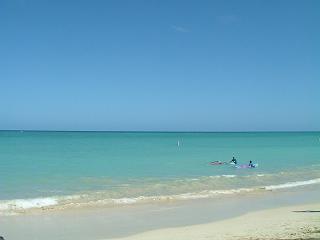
(233,160)
(251,164)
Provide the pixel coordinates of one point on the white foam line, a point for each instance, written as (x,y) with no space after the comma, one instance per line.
(17,205)
(183,196)
(20,204)
(293,184)
(229,176)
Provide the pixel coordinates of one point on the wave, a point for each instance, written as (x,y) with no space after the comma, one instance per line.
(229,176)
(20,204)
(33,203)
(292,184)
(96,199)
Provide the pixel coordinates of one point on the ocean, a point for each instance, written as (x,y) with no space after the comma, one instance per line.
(61,170)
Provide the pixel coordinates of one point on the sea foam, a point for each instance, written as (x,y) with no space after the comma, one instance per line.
(100,199)
(21,204)
(292,184)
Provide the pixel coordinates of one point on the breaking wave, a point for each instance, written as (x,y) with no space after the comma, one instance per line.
(17,206)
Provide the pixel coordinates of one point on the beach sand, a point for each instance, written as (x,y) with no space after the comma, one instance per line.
(294,222)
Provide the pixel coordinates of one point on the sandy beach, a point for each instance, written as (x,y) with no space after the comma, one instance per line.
(294,222)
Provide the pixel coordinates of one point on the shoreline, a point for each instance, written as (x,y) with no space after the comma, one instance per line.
(98,200)
(130,221)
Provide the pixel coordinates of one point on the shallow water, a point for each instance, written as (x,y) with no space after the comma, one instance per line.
(52,168)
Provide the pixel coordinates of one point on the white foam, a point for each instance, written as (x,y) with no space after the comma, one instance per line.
(183,196)
(21,204)
(229,176)
(292,184)
(98,198)
(210,193)
(224,175)
(125,200)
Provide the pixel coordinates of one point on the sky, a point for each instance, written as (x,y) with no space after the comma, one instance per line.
(160,65)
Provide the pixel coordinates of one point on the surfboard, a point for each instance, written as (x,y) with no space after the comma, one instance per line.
(255,165)
(217,163)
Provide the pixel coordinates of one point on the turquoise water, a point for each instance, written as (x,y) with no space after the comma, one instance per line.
(99,166)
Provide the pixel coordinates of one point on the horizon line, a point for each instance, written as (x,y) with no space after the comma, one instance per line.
(159,131)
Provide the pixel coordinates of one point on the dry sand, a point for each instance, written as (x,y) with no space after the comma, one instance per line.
(280,223)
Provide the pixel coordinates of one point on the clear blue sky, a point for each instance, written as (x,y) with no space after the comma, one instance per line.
(160,65)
